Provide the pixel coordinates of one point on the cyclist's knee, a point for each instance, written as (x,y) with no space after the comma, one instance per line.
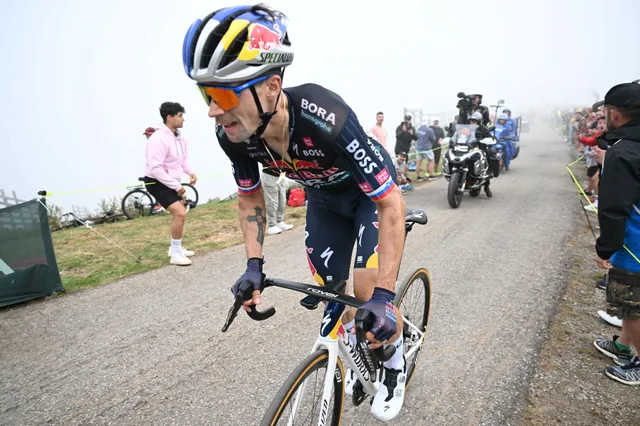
(364,281)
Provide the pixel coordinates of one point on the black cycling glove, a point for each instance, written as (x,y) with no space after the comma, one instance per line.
(381,306)
(253,274)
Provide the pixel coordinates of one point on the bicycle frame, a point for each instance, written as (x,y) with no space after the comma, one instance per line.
(334,338)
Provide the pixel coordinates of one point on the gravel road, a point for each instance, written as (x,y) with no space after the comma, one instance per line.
(148,349)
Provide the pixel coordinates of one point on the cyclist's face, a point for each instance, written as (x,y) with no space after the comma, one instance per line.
(241,122)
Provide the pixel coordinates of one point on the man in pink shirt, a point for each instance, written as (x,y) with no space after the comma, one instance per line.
(166,154)
(378,131)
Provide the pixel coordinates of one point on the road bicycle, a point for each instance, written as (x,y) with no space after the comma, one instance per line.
(138,202)
(333,345)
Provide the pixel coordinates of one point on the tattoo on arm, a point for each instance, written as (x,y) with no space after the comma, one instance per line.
(259,219)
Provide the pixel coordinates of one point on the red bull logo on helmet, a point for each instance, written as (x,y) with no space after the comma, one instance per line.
(263,38)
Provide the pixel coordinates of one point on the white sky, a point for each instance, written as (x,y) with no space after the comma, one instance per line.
(81,79)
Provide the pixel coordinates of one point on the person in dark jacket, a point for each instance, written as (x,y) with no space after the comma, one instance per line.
(618,247)
(405,133)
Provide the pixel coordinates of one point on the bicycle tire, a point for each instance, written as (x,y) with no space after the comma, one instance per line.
(423,274)
(129,214)
(311,363)
(195,191)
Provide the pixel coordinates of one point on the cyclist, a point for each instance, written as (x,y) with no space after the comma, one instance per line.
(237,56)
(166,155)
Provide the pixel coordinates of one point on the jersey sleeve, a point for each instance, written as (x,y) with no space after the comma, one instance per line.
(372,168)
(245,169)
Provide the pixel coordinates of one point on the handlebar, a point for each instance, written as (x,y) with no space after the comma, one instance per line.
(329,292)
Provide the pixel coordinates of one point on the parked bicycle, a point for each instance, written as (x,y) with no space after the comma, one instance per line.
(333,344)
(138,202)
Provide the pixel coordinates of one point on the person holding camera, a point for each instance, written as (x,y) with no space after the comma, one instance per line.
(405,134)
(468,104)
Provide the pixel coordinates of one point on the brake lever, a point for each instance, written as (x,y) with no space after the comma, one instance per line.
(245,292)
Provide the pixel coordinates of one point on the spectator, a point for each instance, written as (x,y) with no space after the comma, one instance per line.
(399,163)
(380,132)
(167,160)
(424,151)
(275,196)
(618,246)
(148,132)
(405,133)
(437,147)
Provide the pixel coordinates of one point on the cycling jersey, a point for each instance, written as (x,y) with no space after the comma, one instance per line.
(327,146)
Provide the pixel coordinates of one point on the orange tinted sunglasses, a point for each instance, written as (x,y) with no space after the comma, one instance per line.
(226,97)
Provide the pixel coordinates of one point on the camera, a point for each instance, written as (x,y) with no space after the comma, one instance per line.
(466,101)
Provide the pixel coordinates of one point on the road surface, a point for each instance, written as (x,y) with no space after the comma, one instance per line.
(148,349)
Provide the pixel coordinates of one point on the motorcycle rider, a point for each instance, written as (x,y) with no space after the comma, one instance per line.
(506,137)
(481,133)
(513,123)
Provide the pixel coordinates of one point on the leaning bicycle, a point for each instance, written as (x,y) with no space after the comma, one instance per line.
(138,202)
(321,374)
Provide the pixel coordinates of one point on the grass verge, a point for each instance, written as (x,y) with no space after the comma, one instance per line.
(85,259)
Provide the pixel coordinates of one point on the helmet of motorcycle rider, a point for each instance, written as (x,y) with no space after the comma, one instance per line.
(476,116)
(503,117)
(507,110)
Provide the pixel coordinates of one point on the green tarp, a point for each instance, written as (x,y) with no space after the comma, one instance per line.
(28,267)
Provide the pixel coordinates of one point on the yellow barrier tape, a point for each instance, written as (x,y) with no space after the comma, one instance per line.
(137,184)
(589,201)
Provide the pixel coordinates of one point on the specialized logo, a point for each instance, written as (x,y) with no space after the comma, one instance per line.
(360,233)
(326,255)
(325,321)
(262,38)
(271,58)
(361,156)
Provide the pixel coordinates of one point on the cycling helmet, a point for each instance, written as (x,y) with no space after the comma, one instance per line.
(236,44)
(476,116)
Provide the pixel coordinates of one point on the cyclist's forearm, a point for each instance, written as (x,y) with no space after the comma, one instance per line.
(253,221)
(391,214)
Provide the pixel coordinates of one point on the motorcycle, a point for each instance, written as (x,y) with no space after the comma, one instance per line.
(466,165)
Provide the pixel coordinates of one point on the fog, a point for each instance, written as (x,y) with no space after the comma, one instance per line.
(80,80)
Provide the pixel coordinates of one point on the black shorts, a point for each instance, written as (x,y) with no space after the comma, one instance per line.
(162,193)
(335,222)
(591,171)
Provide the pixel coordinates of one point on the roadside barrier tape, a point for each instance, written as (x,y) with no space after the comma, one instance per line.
(581,191)
(131,186)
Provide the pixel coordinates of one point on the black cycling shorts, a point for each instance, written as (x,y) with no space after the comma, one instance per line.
(591,171)
(335,221)
(162,193)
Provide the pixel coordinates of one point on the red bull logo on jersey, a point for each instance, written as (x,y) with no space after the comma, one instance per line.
(277,164)
(304,164)
(262,38)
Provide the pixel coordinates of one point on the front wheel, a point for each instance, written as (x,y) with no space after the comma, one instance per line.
(454,192)
(413,299)
(310,373)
